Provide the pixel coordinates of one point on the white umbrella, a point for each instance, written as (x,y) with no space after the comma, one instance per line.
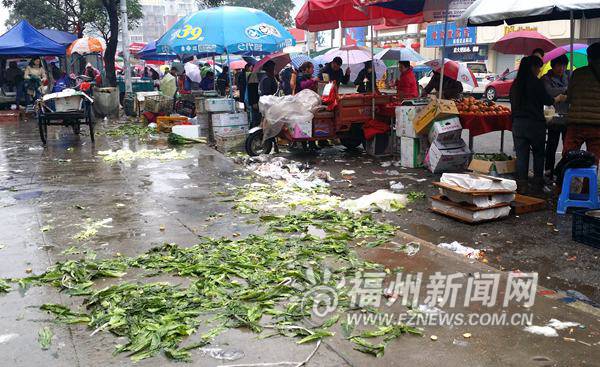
(494,12)
(350,55)
(380,69)
(192,71)
(399,54)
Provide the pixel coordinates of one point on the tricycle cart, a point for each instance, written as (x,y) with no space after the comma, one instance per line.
(66,108)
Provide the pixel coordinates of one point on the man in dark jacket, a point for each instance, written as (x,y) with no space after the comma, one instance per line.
(583,119)
(268,84)
(334,72)
(556,82)
(14,79)
(364,80)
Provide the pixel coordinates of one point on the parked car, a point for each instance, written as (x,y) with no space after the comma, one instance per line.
(479,70)
(500,88)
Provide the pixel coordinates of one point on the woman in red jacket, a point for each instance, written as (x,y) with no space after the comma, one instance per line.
(406,85)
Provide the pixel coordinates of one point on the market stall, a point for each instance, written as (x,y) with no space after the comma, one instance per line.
(482,117)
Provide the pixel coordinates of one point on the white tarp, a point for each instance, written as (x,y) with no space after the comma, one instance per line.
(278,111)
(490,11)
(472,182)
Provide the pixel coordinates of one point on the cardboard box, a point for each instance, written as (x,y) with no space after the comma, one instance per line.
(446,131)
(437,109)
(226,143)
(405,117)
(440,158)
(301,129)
(487,167)
(225,124)
(413,151)
(219,104)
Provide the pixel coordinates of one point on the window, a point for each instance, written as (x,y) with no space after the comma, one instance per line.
(512,75)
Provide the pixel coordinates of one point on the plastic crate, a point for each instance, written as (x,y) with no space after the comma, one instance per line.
(586,228)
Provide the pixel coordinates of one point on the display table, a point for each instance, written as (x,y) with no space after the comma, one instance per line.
(479,125)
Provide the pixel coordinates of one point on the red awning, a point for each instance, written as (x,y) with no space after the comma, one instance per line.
(320,15)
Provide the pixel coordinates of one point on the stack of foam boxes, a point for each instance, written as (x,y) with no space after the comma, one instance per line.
(228,128)
(448,151)
(411,147)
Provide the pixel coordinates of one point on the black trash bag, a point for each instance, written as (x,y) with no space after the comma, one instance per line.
(574,159)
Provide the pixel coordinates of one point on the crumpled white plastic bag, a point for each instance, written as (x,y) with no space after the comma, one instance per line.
(383,200)
(278,111)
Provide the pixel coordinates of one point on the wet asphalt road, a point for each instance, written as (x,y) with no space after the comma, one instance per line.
(532,242)
(48,194)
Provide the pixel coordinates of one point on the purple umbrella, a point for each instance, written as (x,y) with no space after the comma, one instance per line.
(563,50)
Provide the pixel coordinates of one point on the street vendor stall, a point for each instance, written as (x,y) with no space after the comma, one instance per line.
(482,117)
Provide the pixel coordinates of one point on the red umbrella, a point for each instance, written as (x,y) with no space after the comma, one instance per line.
(523,43)
(454,70)
(281,59)
(320,15)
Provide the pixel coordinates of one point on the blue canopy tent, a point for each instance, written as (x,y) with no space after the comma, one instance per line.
(24,40)
(149,52)
(63,38)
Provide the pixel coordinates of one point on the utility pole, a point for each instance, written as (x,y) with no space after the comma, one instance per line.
(125,44)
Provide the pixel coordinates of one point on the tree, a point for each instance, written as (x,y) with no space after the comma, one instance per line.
(278,9)
(96,16)
(64,15)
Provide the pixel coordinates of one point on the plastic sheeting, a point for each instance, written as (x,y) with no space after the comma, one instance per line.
(289,110)
(472,182)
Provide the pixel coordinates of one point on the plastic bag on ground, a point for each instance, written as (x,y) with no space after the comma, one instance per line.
(383,200)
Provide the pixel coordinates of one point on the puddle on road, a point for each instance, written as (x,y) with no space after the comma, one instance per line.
(28,195)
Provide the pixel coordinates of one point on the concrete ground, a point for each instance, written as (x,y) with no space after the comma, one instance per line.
(46,189)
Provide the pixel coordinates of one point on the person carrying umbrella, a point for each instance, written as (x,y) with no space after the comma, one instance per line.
(406,85)
(364,80)
(528,98)
(583,119)
(334,72)
(451,89)
(556,82)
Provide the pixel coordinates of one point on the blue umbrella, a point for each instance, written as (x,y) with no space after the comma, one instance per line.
(298,60)
(149,53)
(226,30)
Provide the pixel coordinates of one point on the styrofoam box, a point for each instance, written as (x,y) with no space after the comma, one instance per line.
(229,123)
(405,116)
(219,104)
(187,131)
(445,131)
(71,103)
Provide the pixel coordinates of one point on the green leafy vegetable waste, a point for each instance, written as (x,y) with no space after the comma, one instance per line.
(45,337)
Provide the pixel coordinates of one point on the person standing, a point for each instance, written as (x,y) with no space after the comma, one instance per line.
(14,79)
(268,85)
(241,82)
(364,81)
(451,89)
(334,72)
(223,81)
(556,82)
(539,53)
(406,85)
(583,119)
(528,98)
(305,79)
